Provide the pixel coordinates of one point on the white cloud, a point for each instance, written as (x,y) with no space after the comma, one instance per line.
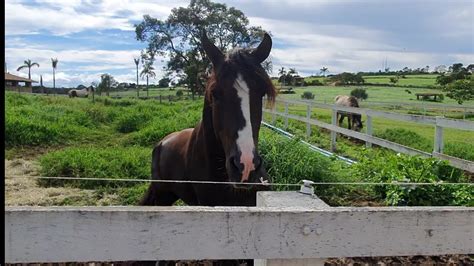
(77,66)
(66,17)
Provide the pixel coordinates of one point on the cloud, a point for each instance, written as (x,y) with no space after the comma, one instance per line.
(77,66)
(66,17)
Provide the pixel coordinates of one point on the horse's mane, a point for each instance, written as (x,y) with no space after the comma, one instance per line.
(245,62)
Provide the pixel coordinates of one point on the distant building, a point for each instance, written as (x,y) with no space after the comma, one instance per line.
(17,83)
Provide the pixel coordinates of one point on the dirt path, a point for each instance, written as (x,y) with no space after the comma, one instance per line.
(24,191)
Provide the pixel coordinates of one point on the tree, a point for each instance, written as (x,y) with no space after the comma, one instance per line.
(460,90)
(324,70)
(440,69)
(179,37)
(137,61)
(28,64)
(346,78)
(282,73)
(107,81)
(164,82)
(54,63)
(359,93)
(394,80)
(148,73)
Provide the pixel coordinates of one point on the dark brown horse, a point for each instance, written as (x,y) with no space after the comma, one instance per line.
(354,120)
(223,146)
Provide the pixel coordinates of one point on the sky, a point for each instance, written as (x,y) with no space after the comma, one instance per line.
(92,37)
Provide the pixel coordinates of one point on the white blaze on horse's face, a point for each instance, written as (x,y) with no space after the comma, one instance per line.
(245,141)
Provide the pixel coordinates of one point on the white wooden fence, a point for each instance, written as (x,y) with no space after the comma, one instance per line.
(285,225)
(438,122)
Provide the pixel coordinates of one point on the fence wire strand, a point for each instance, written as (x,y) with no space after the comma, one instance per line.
(263,182)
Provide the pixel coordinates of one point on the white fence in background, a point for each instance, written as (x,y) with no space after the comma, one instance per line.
(438,122)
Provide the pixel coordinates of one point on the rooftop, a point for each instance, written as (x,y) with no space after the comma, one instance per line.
(11,77)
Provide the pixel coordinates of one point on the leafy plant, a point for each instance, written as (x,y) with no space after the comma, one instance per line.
(403,168)
(359,93)
(307,95)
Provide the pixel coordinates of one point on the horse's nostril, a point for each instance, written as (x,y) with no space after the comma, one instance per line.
(236,163)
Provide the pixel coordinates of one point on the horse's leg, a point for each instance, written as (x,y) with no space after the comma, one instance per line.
(341,118)
(157,194)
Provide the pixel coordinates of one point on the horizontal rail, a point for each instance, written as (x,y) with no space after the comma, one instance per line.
(456,162)
(378,141)
(430,120)
(81,234)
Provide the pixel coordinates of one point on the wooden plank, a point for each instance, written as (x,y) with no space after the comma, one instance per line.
(438,139)
(308,125)
(363,111)
(378,141)
(369,130)
(289,199)
(64,234)
(333,133)
(456,162)
(457,124)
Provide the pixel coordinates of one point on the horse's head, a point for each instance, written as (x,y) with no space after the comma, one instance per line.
(357,122)
(235,91)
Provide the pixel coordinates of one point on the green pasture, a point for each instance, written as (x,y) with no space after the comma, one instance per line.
(114,138)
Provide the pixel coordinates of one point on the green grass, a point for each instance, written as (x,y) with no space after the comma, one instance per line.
(114,139)
(409,80)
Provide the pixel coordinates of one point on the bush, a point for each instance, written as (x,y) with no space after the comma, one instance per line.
(96,162)
(130,122)
(359,93)
(407,138)
(403,168)
(179,93)
(307,95)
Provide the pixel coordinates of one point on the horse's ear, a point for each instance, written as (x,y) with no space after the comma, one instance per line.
(214,54)
(263,50)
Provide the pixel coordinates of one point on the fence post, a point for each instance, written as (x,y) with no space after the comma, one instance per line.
(274,113)
(308,116)
(333,133)
(368,130)
(169,98)
(283,199)
(438,141)
(286,115)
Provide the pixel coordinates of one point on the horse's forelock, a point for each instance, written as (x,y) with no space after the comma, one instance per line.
(242,59)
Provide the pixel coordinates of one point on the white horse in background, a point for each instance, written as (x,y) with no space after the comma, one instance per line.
(80,93)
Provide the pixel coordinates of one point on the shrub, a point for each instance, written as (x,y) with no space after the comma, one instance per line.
(179,93)
(359,93)
(307,95)
(402,168)
(96,162)
(407,138)
(130,122)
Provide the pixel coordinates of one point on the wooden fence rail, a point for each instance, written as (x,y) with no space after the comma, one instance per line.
(438,122)
(315,230)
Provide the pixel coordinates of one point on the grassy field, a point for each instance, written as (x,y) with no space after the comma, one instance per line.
(110,138)
(409,80)
(424,80)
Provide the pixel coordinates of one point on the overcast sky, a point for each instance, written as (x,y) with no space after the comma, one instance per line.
(91,37)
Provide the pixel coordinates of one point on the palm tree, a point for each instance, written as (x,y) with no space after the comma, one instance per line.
(324,70)
(137,61)
(28,64)
(282,74)
(54,62)
(148,72)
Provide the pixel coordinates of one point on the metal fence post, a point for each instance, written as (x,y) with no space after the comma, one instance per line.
(274,116)
(333,133)
(286,115)
(438,141)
